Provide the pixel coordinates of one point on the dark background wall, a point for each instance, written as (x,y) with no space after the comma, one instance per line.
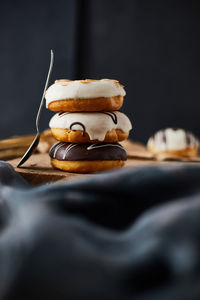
(150,46)
(28,30)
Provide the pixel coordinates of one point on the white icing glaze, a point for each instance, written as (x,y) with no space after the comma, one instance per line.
(97,124)
(172,139)
(95,146)
(80,89)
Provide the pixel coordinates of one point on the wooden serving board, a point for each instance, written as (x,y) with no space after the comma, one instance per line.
(38,170)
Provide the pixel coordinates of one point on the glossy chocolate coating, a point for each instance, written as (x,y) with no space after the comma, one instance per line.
(87,151)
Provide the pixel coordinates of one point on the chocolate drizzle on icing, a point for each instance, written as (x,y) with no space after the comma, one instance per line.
(175,128)
(112,115)
(61,113)
(78,123)
(87,152)
(188,138)
(164,138)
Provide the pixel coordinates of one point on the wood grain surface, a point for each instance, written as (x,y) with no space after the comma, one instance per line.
(38,170)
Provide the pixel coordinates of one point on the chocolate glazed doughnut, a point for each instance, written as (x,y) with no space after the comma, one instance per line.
(87,158)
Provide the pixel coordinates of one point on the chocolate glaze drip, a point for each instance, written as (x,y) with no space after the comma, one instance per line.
(87,152)
(109,113)
(175,128)
(62,113)
(78,123)
(164,137)
(112,115)
(188,138)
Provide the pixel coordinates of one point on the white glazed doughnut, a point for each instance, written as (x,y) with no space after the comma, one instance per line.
(95,124)
(83,89)
(175,141)
(85,95)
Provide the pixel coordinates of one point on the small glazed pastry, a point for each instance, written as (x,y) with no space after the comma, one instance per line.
(174,141)
(85,95)
(93,127)
(87,158)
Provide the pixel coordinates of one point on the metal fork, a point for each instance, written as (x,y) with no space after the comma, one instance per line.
(36,140)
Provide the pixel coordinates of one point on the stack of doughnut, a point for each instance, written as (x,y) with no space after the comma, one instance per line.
(87,125)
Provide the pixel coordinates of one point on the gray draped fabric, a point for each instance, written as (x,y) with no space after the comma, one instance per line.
(126,234)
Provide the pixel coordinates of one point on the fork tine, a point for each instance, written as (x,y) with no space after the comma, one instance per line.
(29,151)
